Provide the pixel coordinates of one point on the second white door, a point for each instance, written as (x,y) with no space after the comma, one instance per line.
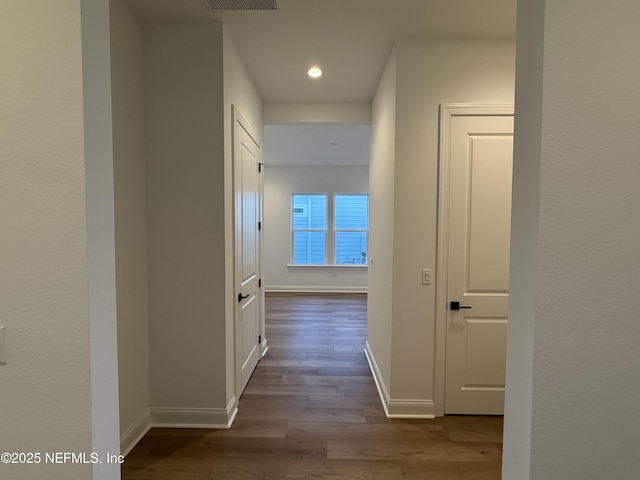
(479,220)
(247,233)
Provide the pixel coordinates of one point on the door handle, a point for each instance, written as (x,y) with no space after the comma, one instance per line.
(242,297)
(457,306)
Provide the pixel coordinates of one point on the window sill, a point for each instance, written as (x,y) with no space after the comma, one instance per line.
(326,266)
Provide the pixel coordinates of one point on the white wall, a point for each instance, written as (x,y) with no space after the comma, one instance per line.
(280,183)
(381,232)
(428,73)
(584,324)
(239,92)
(52,262)
(275,113)
(98,150)
(524,239)
(46,383)
(193,75)
(130,223)
(184,127)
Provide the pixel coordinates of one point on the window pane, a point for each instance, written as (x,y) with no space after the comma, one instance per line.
(351,247)
(351,212)
(308,248)
(309,212)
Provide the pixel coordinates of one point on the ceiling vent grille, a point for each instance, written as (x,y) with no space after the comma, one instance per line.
(241,4)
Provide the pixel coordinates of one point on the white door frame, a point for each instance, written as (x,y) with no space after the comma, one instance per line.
(447,112)
(238,118)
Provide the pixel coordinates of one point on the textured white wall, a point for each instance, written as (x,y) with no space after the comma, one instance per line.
(275,113)
(193,76)
(240,92)
(427,74)
(381,212)
(98,140)
(585,412)
(130,221)
(57,283)
(45,395)
(524,239)
(185,208)
(280,183)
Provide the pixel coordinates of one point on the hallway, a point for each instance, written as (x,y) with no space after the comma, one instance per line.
(311,410)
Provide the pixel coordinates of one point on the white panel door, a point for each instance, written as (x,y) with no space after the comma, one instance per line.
(478,263)
(247,257)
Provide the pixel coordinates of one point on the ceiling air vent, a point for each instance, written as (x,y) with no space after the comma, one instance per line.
(241,4)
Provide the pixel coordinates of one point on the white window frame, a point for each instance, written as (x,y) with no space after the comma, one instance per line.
(354,230)
(329,232)
(311,230)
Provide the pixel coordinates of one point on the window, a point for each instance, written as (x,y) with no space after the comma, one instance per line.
(351,222)
(329,230)
(309,229)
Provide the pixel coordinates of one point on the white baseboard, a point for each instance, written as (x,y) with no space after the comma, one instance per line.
(195,417)
(315,289)
(411,408)
(396,407)
(135,432)
(377,377)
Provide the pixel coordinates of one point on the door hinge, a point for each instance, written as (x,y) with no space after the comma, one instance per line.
(260,339)
(260,165)
(259,282)
(259,225)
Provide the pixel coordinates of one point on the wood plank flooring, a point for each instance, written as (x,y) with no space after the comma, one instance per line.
(311,410)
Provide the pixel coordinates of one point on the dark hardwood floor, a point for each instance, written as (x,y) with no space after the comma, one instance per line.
(311,410)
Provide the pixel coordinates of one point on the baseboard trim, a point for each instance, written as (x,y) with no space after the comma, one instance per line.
(411,408)
(396,407)
(377,377)
(314,289)
(220,418)
(135,432)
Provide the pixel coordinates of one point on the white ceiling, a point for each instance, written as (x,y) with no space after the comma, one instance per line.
(349,39)
(312,144)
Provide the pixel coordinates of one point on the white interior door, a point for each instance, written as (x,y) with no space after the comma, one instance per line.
(479,221)
(247,258)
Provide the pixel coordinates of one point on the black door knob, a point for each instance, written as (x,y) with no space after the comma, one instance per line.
(457,306)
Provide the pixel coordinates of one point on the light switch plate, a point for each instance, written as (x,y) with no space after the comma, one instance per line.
(3,347)
(426,276)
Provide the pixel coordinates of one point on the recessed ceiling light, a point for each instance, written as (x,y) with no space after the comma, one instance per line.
(314,72)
